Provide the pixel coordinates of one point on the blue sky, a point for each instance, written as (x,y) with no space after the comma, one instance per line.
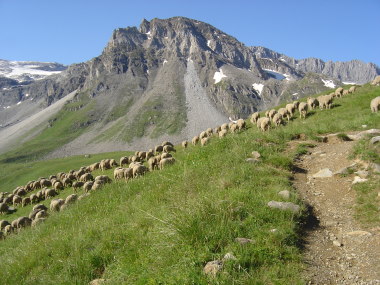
(73,31)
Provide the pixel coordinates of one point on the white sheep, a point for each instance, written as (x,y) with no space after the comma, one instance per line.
(302,108)
(375,104)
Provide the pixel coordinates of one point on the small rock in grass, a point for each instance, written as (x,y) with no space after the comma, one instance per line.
(325,172)
(252,160)
(243,240)
(375,140)
(337,243)
(375,167)
(359,233)
(362,173)
(97,282)
(256,154)
(284,194)
(357,179)
(284,206)
(229,256)
(213,267)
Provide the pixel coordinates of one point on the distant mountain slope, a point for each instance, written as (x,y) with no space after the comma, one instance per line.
(169,78)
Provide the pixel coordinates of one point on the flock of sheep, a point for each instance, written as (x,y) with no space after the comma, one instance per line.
(156,158)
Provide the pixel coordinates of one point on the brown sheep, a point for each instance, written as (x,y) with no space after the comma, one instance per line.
(87,186)
(50,193)
(86,177)
(103,178)
(67,182)
(166,161)
(158,148)
(45,183)
(272,113)
(21,222)
(3,224)
(94,166)
(124,160)
(40,207)
(34,198)
(149,154)
(77,184)
(169,148)
(58,186)
(4,208)
(41,214)
(104,164)
(17,200)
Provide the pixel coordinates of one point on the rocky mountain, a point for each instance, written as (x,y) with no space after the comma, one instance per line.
(169,78)
(350,72)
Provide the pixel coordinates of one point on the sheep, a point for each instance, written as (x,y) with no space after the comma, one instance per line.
(128,173)
(77,184)
(204,141)
(20,191)
(267,113)
(224,127)
(241,124)
(167,143)
(184,144)
(338,92)
(302,108)
(21,222)
(67,182)
(376,81)
(17,200)
(222,133)
(50,193)
(45,183)
(142,155)
(37,221)
(265,124)
(254,117)
(113,163)
(277,119)
(375,103)
(55,205)
(133,164)
(149,154)
(283,112)
(8,229)
(135,158)
(36,185)
(97,185)
(33,198)
(118,173)
(139,170)
(103,178)
(86,177)
(3,224)
(87,186)
(325,101)
(152,163)
(202,135)
(272,113)
(104,165)
(94,166)
(345,92)
(166,161)
(4,208)
(83,196)
(312,103)
(352,89)
(124,160)
(165,155)
(41,214)
(195,140)
(158,148)
(169,148)
(233,127)
(40,207)
(58,186)
(71,199)
(25,201)
(259,120)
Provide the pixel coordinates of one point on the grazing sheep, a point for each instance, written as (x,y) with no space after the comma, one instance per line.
(272,113)
(165,155)
(302,108)
(118,173)
(25,201)
(86,177)
(3,224)
(345,92)
(71,199)
(41,214)
(97,185)
(184,144)
(128,173)
(58,186)
(8,229)
(166,161)
(267,113)
(376,81)
(352,89)
(21,191)
(139,170)
(50,193)
(103,178)
(202,135)
(124,160)
(113,163)
(375,104)
(67,182)
(169,148)
(204,141)
(338,92)
(224,127)
(312,103)
(45,183)
(254,117)
(259,120)
(133,164)
(222,133)
(94,166)
(142,155)
(233,127)
(195,140)
(4,208)
(55,205)
(158,148)
(77,184)
(277,119)
(21,222)
(17,200)
(87,186)
(36,185)
(265,124)
(283,112)
(135,158)
(83,196)
(40,207)
(164,143)
(33,198)
(104,165)
(325,101)
(37,221)
(241,124)
(152,163)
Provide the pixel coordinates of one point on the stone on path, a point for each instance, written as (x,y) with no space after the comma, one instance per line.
(375,140)
(359,233)
(229,256)
(213,267)
(284,194)
(256,154)
(243,240)
(357,179)
(284,206)
(325,172)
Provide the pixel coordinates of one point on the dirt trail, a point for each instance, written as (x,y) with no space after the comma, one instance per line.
(337,249)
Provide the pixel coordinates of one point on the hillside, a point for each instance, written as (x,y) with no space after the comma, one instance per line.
(164,227)
(164,80)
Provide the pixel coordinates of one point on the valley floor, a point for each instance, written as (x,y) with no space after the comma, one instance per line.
(338,250)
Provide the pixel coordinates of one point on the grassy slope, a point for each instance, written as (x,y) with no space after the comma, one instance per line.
(164,227)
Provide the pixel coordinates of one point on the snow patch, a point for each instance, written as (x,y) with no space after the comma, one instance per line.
(349,83)
(31,99)
(8,107)
(294,94)
(218,76)
(18,103)
(277,75)
(328,83)
(165,61)
(258,87)
(26,95)
(209,43)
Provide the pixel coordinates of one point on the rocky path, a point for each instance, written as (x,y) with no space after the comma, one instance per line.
(337,249)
